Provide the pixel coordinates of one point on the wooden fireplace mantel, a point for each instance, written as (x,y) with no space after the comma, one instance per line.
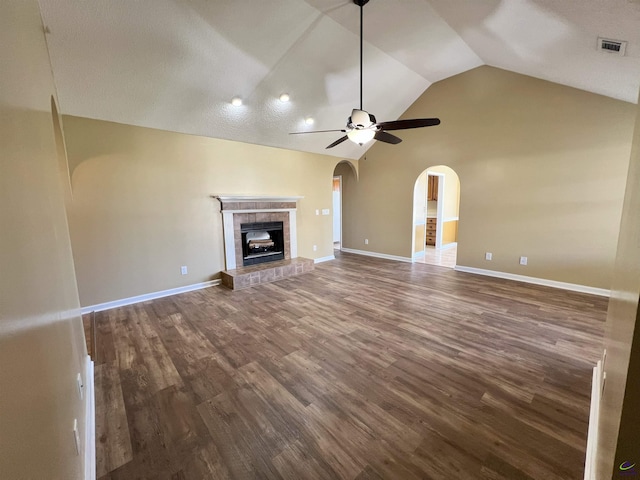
(257,198)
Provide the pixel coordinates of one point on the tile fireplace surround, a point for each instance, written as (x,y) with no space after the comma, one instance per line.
(243,209)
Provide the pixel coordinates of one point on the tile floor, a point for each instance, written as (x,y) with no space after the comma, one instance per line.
(445,257)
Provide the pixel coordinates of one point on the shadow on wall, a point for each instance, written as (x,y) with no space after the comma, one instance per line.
(100,146)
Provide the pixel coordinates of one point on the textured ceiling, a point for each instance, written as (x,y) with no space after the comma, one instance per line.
(175,65)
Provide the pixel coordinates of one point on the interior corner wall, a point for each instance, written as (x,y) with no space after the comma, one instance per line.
(542,170)
(142,204)
(619,416)
(42,345)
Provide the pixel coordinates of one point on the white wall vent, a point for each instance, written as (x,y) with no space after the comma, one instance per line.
(616,47)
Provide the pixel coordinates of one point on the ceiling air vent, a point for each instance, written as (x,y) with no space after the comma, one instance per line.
(617,47)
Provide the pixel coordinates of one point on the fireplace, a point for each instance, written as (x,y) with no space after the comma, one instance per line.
(262,242)
(239,211)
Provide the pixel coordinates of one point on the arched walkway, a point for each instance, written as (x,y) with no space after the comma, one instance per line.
(344,176)
(436,204)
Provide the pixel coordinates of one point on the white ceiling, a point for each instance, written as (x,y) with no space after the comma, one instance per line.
(175,65)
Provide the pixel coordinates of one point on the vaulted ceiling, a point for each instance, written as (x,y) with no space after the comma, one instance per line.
(176,64)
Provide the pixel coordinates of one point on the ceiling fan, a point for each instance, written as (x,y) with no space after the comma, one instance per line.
(362,126)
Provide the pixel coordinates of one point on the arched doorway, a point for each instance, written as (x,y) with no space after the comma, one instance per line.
(436,206)
(344,176)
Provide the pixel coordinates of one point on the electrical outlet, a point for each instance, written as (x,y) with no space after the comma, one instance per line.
(80,386)
(488,256)
(366,241)
(315,248)
(317,212)
(184,270)
(523,260)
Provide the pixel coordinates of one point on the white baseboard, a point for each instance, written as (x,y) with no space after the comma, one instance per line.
(90,423)
(418,254)
(536,281)
(324,259)
(378,255)
(594,415)
(148,296)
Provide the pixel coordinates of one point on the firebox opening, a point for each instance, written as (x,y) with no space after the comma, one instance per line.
(262,242)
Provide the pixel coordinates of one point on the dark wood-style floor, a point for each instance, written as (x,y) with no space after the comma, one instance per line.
(362,369)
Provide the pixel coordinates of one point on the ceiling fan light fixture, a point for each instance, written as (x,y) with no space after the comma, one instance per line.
(236,101)
(284,97)
(361,136)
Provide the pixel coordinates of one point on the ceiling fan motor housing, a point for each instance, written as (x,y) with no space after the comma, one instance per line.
(360,119)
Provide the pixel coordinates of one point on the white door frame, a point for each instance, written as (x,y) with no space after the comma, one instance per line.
(423,207)
(440,208)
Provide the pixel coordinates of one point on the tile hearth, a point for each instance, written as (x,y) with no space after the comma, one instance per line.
(245,277)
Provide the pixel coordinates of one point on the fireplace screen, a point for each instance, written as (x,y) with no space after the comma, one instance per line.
(262,242)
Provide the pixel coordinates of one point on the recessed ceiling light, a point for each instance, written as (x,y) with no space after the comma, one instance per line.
(236,101)
(309,121)
(284,97)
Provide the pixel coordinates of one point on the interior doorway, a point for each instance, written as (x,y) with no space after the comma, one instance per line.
(337,212)
(345,177)
(436,205)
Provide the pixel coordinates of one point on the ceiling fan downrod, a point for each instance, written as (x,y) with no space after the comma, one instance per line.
(361,4)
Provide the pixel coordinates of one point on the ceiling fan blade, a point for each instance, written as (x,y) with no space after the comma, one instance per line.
(317,131)
(338,142)
(387,137)
(411,123)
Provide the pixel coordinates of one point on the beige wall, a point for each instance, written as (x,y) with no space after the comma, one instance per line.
(142,204)
(619,432)
(449,232)
(420,235)
(41,339)
(539,175)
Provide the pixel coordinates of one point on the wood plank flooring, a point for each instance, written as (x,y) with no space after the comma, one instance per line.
(363,369)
